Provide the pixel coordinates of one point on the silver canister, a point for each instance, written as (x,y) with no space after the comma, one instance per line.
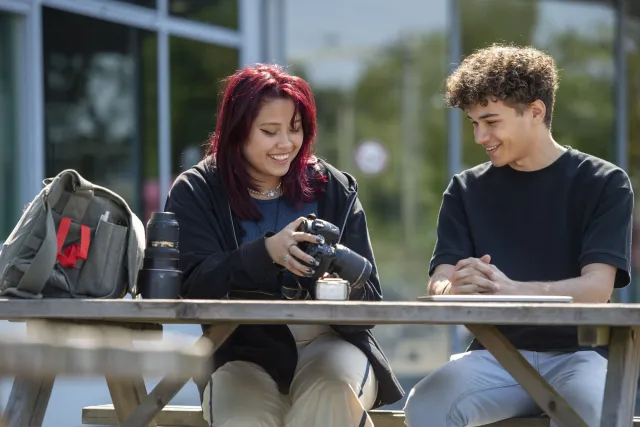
(332,289)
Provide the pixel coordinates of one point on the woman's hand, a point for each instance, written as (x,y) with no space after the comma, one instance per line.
(283,249)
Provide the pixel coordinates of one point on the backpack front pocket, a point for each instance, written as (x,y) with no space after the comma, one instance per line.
(103,274)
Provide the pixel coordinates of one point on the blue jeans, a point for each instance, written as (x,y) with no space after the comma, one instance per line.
(473,389)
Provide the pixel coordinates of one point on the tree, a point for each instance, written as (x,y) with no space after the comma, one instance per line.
(485,22)
(517,23)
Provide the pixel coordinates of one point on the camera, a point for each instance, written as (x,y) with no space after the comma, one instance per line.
(160,276)
(353,270)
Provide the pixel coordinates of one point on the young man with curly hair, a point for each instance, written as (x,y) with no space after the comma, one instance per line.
(537,219)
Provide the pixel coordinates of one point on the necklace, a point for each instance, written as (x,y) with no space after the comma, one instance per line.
(269,193)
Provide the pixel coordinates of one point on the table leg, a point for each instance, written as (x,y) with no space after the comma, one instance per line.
(29,396)
(126,395)
(167,388)
(28,401)
(622,377)
(540,390)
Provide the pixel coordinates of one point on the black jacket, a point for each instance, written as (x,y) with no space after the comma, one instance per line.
(213,264)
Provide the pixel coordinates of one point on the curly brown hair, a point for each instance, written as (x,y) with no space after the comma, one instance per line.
(514,74)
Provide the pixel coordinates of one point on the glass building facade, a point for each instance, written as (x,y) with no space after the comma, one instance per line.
(126,91)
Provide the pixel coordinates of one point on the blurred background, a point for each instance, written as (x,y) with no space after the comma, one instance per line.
(125,92)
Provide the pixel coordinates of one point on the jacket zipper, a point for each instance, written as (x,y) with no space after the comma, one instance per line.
(233,228)
(352,201)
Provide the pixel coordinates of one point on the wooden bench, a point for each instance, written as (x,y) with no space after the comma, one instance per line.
(191,416)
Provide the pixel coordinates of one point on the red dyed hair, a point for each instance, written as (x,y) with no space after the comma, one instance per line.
(243,95)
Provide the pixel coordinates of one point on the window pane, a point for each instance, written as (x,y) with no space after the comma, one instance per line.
(196,72)
(9,210)
(217,12)
(94,100)
(580,38)
(148,163)
(144,3)
(376,68)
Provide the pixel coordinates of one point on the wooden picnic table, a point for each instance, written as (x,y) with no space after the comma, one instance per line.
(613,324)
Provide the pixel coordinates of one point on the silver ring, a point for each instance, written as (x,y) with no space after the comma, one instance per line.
(286,258)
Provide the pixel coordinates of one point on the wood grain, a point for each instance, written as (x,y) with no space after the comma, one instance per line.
(191,416)
(28,401)
(346,313)
(622,377)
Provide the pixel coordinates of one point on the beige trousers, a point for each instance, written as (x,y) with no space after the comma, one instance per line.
(333,386)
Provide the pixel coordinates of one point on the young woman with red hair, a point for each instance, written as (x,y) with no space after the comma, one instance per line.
(239,211)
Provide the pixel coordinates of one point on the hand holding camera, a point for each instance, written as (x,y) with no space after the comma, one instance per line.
(283,249)
(332,257)
(308,247)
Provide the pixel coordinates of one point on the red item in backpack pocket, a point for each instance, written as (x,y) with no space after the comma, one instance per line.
(72,253)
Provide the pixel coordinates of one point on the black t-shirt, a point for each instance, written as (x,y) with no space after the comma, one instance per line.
(541,226)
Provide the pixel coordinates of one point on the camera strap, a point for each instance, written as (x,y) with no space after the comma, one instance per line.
(297,293)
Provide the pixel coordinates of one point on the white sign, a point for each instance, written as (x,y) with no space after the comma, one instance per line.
(371,157)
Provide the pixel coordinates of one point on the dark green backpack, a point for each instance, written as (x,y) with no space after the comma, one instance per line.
(74,240)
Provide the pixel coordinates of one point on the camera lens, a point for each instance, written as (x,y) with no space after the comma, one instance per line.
(163,228)
(160,277)
(351,266)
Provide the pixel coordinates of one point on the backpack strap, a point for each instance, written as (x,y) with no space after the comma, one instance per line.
(77,205)
(80,197)
(33,280)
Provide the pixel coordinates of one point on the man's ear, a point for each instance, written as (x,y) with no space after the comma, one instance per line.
(538,110)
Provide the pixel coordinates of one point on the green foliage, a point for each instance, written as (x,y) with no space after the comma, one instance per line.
(518,20)
(217,12)
(584,115)
(485,22)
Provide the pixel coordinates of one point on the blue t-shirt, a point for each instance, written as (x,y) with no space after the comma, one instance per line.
(276,215)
